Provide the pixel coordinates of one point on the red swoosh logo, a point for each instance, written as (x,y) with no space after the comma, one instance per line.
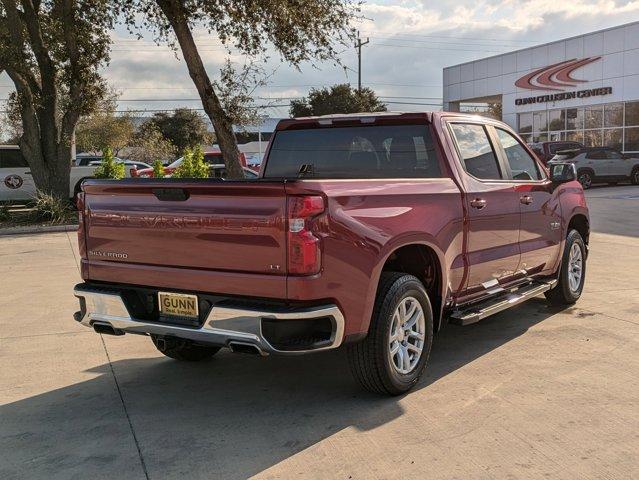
(555,76)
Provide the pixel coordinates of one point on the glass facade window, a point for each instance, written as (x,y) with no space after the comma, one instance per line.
(577,136)
(525,122)
(613,125)
(574,118)
(556,120)
(540,121)
(593,117)
(613,137)
(632,114)
(631,143)
(613,115)
(593,138)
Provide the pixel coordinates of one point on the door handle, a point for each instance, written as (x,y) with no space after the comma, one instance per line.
(28,172)
(478,203)
(526,199)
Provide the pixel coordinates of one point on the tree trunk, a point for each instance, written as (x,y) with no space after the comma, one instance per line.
(50,168)
(222,124)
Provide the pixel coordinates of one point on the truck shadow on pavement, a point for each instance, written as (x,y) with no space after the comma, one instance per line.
(232,417)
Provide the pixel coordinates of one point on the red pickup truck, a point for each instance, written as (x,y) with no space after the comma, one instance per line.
(370,231)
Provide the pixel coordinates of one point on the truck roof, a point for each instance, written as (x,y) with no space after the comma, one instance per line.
(353,118)
(369,117)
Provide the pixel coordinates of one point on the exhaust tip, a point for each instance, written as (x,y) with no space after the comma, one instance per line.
(238,347)
(106,329)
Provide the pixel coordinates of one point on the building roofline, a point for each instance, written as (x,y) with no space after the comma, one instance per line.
(545,44)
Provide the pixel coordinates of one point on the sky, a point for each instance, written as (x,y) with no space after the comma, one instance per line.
(410,43)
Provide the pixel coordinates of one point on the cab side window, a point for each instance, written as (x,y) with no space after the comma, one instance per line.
(597,155)
(476,151)
(522,165)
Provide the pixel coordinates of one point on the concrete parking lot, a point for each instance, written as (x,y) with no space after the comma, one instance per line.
(534,392)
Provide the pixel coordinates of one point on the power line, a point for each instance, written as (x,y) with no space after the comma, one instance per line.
(431,42)
(458,37)
(438,48)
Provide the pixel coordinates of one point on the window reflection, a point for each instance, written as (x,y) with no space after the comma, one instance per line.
(476,151)
(613,125)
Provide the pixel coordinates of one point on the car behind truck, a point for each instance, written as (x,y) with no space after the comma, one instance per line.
(370,231)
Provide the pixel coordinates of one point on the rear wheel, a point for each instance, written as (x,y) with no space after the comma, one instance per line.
(391,359)
(573,272)
(182,350)
(634,176)
(585,178)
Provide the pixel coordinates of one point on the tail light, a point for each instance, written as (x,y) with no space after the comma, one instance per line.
(82,244)
(304,254)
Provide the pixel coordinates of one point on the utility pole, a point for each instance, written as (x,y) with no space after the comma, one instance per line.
(358,46)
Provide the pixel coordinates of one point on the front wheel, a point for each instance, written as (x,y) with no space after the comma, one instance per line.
(585,178)
(572,273)
(634,176)
(391,359)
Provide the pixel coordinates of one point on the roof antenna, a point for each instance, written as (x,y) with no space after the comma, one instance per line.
(307,169)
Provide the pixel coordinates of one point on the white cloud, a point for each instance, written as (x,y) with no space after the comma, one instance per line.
(411,41)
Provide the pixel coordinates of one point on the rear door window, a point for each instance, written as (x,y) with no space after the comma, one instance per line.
(522,165)
(375,151)
(11,158)
(476,151)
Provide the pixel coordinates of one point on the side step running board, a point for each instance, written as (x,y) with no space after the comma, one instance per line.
(479,311)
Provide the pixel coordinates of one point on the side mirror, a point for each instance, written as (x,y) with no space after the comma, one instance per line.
(563,172)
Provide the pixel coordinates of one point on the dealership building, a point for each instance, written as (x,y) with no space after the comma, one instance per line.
(584,88)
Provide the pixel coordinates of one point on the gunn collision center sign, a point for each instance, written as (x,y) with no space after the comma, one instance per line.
(558,78)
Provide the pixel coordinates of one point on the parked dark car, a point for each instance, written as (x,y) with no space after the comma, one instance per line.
(546,150)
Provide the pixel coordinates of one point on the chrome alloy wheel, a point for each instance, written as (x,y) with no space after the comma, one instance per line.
(406,336)
(575,268)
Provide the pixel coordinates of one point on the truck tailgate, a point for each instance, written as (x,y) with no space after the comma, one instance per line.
(186,229)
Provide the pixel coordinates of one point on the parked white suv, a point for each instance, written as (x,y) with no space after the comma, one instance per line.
(600,165)
(16,181)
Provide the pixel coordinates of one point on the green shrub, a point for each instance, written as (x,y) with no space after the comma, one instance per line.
(158,169)
(109,168)
(48,208)
(4,212)
(193,165)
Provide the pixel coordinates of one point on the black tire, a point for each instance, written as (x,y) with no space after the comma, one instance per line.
(562,293)
(370,359)
(634,176)
(585,177)
(182,349)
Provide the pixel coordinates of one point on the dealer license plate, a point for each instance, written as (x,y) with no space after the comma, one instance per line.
(178,304)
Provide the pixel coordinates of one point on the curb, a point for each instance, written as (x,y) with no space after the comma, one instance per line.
(37,229)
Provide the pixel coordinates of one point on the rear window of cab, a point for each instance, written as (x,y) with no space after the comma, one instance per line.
(374,151)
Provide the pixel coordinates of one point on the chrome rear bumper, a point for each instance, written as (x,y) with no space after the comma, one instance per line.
(223,326)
